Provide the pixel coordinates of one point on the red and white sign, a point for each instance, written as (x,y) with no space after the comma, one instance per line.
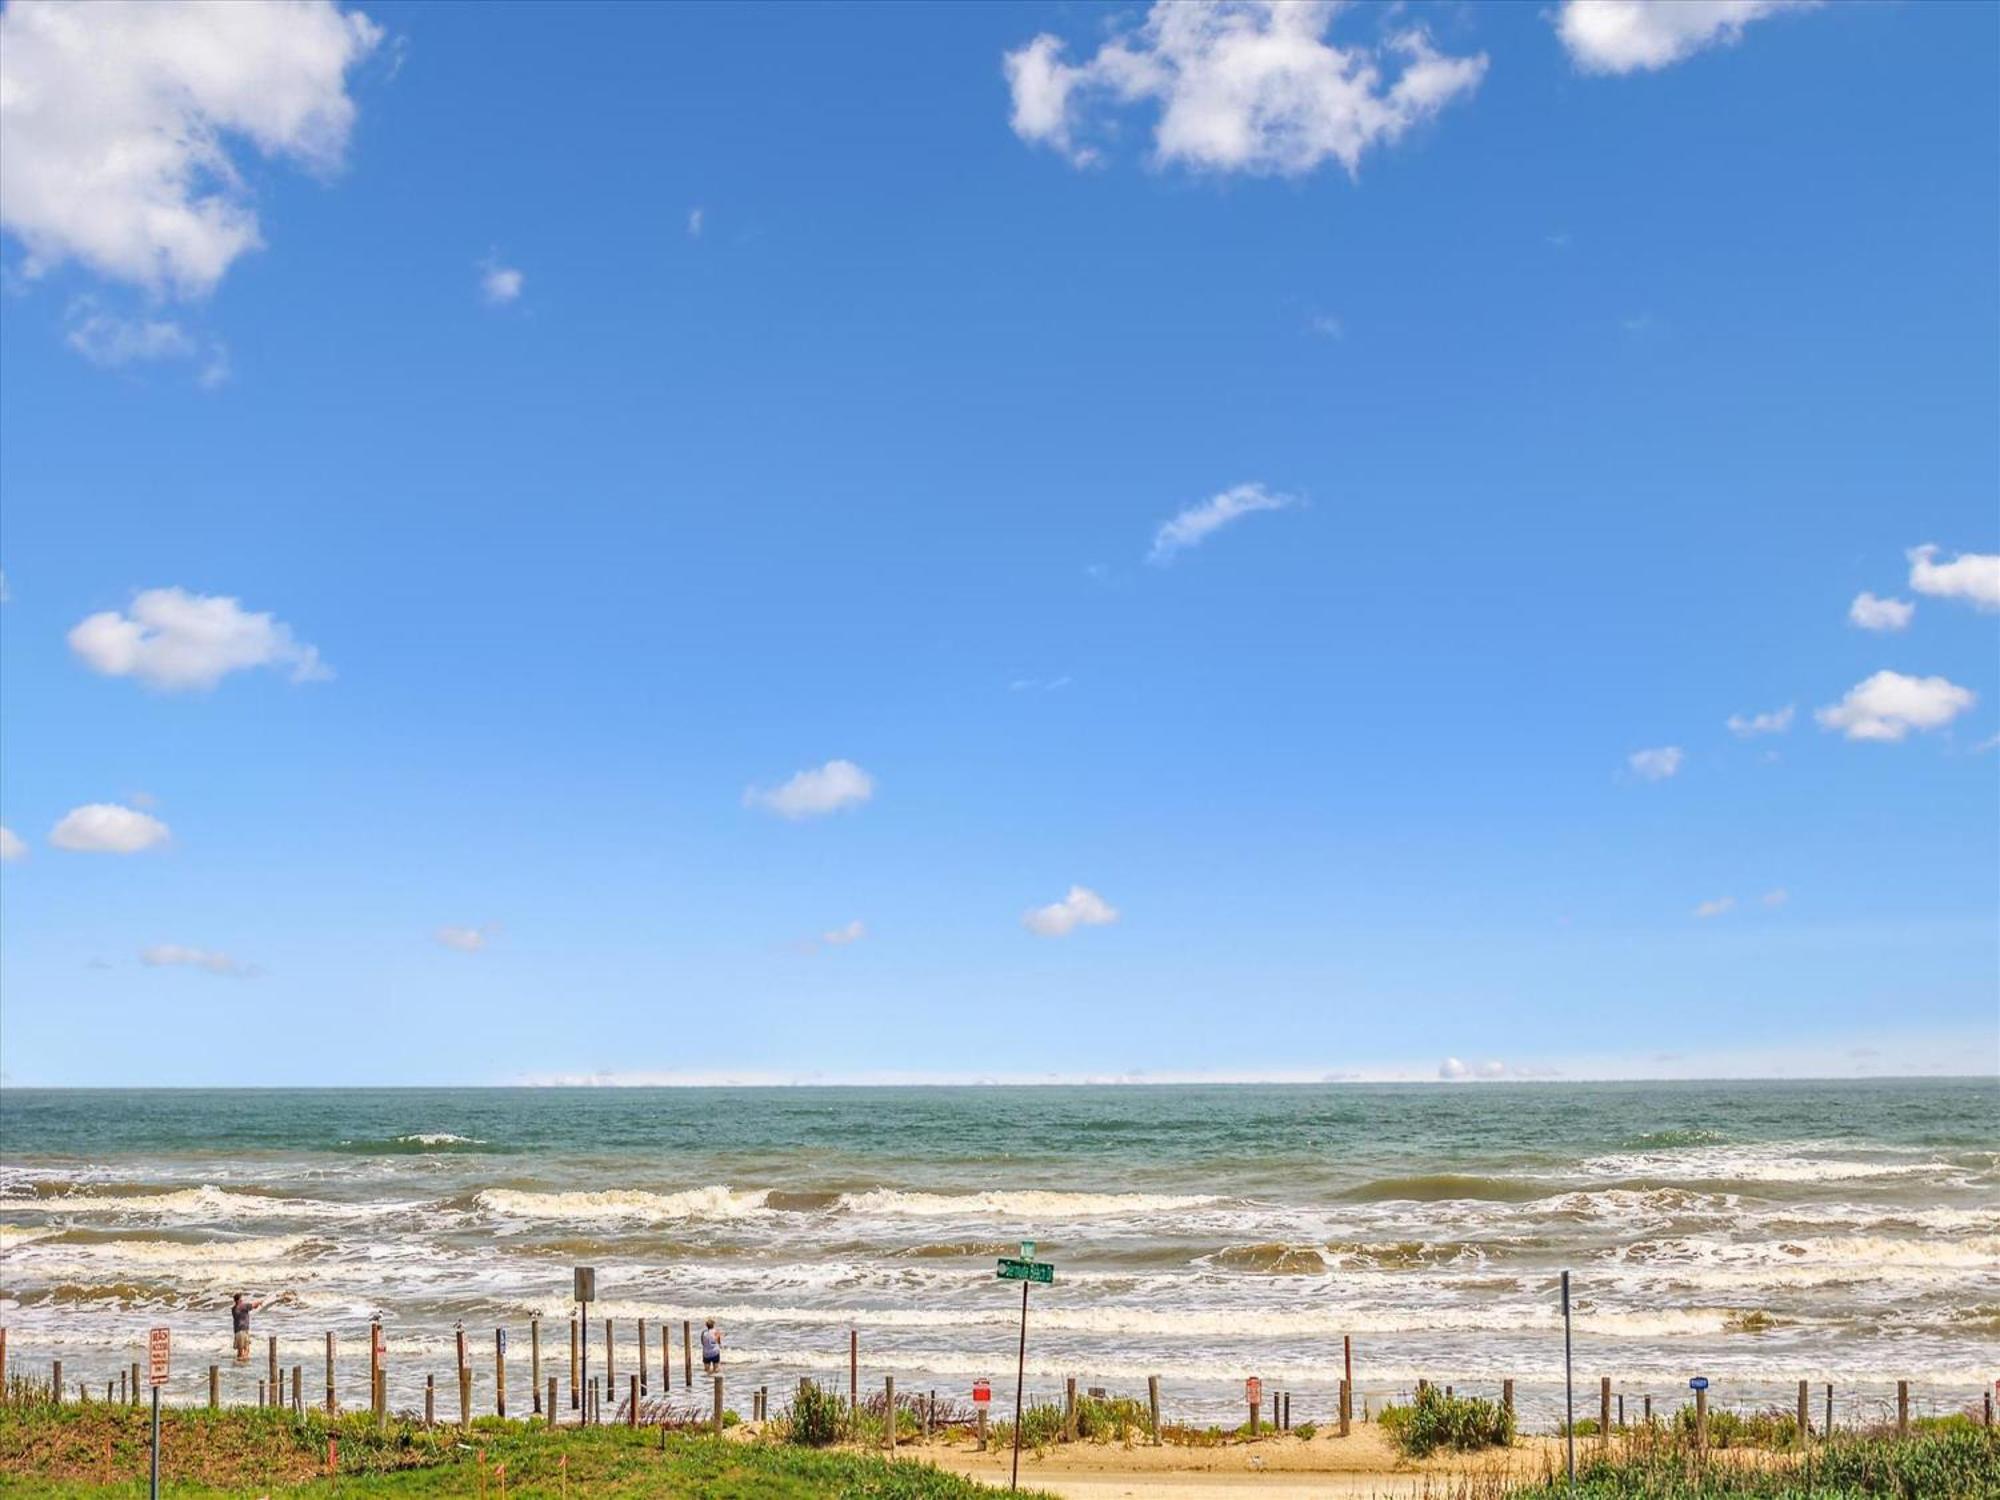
(1253,1391)
(982,1393)
(159,1349)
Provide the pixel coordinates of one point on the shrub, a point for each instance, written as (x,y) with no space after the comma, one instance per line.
(817,1418)
(1306,1430)
(1435,1420)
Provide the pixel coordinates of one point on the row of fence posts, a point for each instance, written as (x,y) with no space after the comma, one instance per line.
(587,1400)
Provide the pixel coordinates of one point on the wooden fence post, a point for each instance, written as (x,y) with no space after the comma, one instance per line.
(329,1375)
(464,1399)
(1346,1407)
(549,1407)
(1069,1409)
(1701,1421)
(1152,1407)
(643,1385)
(1604,1411)
(575,1377)
(499,1372)
(632,1403)
(298,1390)
(215,1387)
(55,1379)
(535,1362)
(889,1412)
(1902,1408)
(1805,1412)
(687,1352)
(382,1398)
(980,1429)
(135,1373)
(1649,1410)
(430,1402)
(1507,1396)
(853,1369)
(718,1406)
(1827,1425)
(610,1363)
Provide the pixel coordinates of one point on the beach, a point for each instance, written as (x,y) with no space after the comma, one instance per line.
(1752,1234)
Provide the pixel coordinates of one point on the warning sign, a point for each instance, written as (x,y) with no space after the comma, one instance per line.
(159,1349)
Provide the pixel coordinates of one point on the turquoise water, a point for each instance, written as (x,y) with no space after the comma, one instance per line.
(1757,1233)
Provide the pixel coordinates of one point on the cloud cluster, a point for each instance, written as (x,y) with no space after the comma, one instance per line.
(1451,1070)
(107,828)
(840,937)
(1871,613)
(813,793)
(1197,523)
(173,955)
(1656,764)
(1889,705)
(464,939)
(1241,86)
(1082,907)
(111,341)
(1626,36)
(1971,576)
(120,124)
(499,284)
(175,641)
(12,846)
(1777,721)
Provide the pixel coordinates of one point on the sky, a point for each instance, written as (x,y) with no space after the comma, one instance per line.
(684,543)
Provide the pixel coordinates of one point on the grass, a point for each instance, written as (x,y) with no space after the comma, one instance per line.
(99,1452)
(1464,1424)
(1949,1462)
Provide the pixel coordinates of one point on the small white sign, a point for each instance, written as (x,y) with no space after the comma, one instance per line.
(159,1351)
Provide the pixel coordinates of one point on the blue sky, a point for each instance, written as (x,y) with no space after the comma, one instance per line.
(599,416)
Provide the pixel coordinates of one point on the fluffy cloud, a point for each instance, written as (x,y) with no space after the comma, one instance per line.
(12,846)
(120,120)
(173,955)
(840,937)
(1626,36)
(1194,525)
(828,788)
(1082,907)
(108,340)
(174,640)
(1657,764)
(1889,705)
(1241,85)
(1715,908)
(107,828)
(1871,613)
(1777,721)
(1971,576)
(464,939)
(500,284)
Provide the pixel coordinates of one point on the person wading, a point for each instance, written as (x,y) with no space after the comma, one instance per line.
(240,1309)
(711,1346)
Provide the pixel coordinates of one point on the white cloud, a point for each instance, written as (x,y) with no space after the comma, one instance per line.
(1777,721)
(1971,576)
(1889,705)
(1715,908)
(840,937)
(120,123)
(1194,525)
(825,789)
(1452,1069)
(695,218)
(111,342)
(1657,764)
(499,284)
(12,845)
(107,828)
(1871,613)
(1625,36)
(1082,907)
(174,640)
(1326,325)
(1775,897)
(464,939)
(1241,85)
(173,955)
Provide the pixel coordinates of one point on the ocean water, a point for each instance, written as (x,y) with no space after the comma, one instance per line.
(1756,1233)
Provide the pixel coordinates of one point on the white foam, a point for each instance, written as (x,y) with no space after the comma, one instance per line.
(625,1203)
(1031,1205)
(208,1203)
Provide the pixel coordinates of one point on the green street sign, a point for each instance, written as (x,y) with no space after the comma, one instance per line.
(1026,1270)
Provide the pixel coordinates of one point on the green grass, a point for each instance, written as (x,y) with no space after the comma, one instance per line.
(99,1452)
(1949,1463)
(1434,1420)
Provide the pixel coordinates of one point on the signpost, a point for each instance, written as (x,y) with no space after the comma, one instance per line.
(982,1392)
(159,1352)
(1569,1392)
(1028,1271)
(1253,1394)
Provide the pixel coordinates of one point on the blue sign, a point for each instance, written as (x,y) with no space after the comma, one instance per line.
(1699,1383)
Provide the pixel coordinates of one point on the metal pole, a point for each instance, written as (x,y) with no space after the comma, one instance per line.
(1020,1377)
(1569,1392)
(584,1319)
(156,1444)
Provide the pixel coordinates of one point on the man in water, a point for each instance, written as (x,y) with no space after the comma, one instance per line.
(711,1347)
(240,1309)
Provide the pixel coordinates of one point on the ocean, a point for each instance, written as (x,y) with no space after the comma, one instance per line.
(1755,1233)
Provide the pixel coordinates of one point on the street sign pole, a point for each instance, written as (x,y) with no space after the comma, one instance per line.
(158,1355)
(155,1487)
(1020,1378)
(1569,1390)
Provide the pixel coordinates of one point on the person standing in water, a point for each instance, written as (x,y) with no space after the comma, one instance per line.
(240,1309)
(711,1347)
